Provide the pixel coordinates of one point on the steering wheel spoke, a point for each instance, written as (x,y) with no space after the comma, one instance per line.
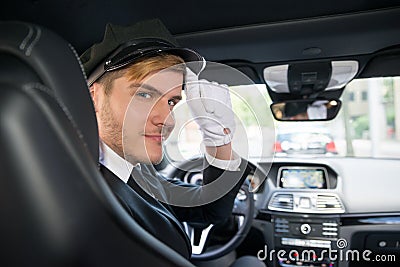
(198,237)
(240,220)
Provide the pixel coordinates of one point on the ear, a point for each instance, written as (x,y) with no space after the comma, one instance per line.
(95,91)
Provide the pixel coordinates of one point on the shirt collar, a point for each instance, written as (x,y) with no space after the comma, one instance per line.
(116,164)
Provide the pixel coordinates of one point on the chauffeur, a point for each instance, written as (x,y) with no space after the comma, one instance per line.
(137,72)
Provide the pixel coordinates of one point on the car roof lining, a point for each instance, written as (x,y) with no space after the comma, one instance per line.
(268,33)
(91,16)
(374,30)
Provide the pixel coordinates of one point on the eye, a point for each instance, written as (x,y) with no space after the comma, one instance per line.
(172,102)
(144,95)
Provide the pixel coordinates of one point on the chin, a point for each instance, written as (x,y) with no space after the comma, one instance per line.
(155,159)
(155,154)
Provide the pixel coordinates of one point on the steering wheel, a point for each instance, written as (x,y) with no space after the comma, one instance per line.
(243,209)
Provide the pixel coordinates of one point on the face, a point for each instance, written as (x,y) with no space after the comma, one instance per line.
(136,117)
(300,116)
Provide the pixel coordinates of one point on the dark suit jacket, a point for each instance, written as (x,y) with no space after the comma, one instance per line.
(162,220)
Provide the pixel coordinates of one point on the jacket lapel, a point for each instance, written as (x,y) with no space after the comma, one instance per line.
(149,213)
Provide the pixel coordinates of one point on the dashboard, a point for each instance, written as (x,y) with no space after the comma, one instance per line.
(315,204)
(310,203)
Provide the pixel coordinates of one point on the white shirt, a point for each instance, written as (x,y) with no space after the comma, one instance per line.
(123,169)
(116,164)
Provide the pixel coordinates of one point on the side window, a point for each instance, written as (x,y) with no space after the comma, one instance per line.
(371,125)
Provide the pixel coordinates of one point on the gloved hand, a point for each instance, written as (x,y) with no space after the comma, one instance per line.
(317,110)
(211,107)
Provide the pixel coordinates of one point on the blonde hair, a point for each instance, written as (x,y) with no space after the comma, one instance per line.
(138,71)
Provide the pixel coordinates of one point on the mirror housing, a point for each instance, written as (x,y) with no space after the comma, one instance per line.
(306,109)
(311,77)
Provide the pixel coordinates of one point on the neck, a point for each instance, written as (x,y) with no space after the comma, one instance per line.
(117,149)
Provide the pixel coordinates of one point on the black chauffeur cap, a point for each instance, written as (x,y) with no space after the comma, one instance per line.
(123,45)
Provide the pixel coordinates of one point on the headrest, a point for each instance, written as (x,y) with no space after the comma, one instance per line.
(56,67)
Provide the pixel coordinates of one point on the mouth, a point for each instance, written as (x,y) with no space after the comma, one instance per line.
(154,137)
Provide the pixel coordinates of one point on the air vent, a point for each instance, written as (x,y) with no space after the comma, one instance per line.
(281,202)
(306,202)
(329,203)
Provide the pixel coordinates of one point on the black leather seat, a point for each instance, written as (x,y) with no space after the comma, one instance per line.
(56,209)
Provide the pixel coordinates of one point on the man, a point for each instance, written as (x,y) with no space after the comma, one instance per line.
(296,111)
(135,77)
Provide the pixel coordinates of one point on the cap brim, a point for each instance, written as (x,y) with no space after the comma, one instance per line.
(197,62)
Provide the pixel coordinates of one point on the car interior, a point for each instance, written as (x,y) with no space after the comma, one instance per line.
(316,89)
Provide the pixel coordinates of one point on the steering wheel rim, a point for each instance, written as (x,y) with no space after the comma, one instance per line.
(241,208)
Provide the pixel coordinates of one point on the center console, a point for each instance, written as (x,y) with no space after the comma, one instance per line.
(304,210)
(301,241)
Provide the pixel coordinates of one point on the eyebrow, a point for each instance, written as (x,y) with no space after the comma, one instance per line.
(152,88)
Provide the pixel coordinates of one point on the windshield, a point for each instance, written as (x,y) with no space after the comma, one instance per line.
(368,125)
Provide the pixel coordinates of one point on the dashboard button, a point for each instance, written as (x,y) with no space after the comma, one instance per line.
(382,244)
(305,228)
(305,203)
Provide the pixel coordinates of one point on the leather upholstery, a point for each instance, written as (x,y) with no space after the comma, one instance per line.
(56,209)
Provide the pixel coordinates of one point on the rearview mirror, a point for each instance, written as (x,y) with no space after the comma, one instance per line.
(306,110)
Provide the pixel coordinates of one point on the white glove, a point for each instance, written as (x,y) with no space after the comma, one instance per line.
(317,110)
(211,107)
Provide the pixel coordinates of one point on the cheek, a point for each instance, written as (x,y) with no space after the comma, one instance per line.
(122,108)
(119,115)
(134,120)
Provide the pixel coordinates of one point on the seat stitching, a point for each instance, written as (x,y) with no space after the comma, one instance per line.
(79,60)
(33,43)
(38,86)
(26,39)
